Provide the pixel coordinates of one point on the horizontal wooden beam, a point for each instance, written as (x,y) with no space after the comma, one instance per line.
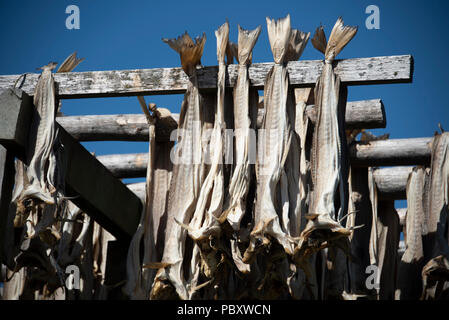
(139,189)
(411,151)
(391,182)
(94,188)
(6,188)
(303,73)
(366,114)
(116,127)
(376,153)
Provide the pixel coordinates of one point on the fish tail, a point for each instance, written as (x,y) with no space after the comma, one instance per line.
(279,36)
(189,50)
(70,63)
(339,38)
(296,44)
(247,41)
(222,35)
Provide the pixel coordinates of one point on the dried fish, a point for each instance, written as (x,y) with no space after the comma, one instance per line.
(384,242)
(245,118)
(328,145)
(272,213)
(185,184)
(412,261)
(436,248)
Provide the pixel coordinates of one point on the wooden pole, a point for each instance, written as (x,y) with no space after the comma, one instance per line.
(377,153)
(6,187)
(303,73)
(133,127)
(391,152)
(95,190)
(391,182)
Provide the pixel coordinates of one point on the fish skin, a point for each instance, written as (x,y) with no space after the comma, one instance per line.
(412,261)
(185,183)
(40,149)
(436,247)
(327,152)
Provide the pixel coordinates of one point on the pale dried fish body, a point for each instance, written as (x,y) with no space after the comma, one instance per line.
(436,271)
(245,113)
(139,281)
(185,183)
(327,158)
(40,149)
(360,214)
(384,242)
(273,213)
(412,261)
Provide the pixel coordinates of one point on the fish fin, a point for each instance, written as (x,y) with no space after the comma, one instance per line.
(339,38)
(296,45)
(189,51)
(70,63)
(156,265)
(247,41)
(279,36)
(319,40)
(231,52)
(311,216)
(222,35)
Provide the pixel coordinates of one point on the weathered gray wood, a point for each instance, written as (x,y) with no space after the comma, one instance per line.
(15,118)
(130,165)
(391,182)
(402,213)
(6,187)
(116,127)
(365,114)
(139,189)
(391,152)
(98,192)
(94,188)
(376,153)
(133,127)
(390,69)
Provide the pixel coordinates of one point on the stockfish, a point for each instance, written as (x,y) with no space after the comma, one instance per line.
(273,212)
(328,164)
(384,242)
(185,184)
(436,271)
(245,118)
(412,261)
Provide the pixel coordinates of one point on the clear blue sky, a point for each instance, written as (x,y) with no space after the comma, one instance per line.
(127,35)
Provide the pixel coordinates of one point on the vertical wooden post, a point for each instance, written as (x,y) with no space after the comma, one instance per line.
(115,273)
(6,186)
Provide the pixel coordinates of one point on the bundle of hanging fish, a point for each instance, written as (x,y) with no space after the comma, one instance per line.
(54,233)
(423,272)
(329,166)
(247,228)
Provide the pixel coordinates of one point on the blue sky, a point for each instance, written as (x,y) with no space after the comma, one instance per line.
(127,35)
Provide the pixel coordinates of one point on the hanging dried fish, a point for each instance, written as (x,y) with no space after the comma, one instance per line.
(245,118)
(158,174)
(384,242)
(327,150)
(185,184)
(360,214)
(412,261)
(272,212)
(436,246)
